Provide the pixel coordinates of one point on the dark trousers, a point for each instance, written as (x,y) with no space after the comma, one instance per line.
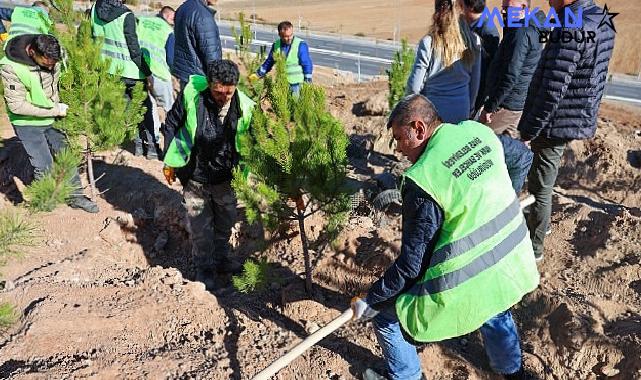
(211,214)
(146,134)
(41,144)
(541,179)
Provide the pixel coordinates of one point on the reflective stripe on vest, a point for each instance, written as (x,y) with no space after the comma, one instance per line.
(114,46)
(153,33)
(483,261)
(33,20)
(179,150)
(292,66)
(35,95)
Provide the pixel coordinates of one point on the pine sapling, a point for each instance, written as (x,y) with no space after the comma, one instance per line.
(99,116)
(255,276)
(8,315)
(16,232)
(248,60)
(296,155)
(55,187)
(399,73)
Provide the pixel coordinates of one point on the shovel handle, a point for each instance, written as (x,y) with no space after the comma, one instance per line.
(301,347)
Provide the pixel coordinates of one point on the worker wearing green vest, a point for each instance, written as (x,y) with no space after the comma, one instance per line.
(30,72)
(115,24)
(25,20)
(156,37)
(466,256)
(298,63)
(202,144)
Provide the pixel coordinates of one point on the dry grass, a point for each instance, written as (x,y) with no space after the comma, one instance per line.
(378,18)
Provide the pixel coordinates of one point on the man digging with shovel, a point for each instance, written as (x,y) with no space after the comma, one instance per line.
(466,256)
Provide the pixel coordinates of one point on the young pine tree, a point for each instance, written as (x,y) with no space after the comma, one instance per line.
(250,61)
(399,73)
(296,155)
(99,116)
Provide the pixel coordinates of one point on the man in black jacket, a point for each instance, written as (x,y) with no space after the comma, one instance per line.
(221,112)
(511,71)
(197,39)
(563,102)
(107,12)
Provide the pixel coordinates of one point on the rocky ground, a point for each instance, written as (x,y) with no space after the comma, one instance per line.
(111,295)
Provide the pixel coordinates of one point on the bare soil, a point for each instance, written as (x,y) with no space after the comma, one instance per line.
(112,296)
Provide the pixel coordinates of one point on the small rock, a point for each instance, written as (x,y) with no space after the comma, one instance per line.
(311,327)
(376,105)
(609,371)
(7,285)
(340,257)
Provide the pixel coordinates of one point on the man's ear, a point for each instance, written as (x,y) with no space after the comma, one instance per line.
(421,130)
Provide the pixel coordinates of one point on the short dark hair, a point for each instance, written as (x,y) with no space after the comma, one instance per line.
(223,71)
(47,45)
(284,25)
(166,9)
(476,6)
(40,4)
(414,107)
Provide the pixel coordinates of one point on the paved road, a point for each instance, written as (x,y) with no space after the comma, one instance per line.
(369,57)
(374,57)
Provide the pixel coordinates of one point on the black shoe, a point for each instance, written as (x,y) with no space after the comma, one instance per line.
(518,375)
(207,277)
(228,265)
(154,152)
(84,204)
(138,151)
(538,256)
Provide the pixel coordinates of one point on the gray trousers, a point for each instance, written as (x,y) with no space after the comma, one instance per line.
(41,144)
(211,214)
(541,179)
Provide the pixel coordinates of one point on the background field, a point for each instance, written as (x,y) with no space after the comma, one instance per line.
(379,19)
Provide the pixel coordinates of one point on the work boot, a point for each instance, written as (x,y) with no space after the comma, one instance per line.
(83,203)
(518,375)
(138,150)
(228,265)
(370,374)
(154,152)
(207,277)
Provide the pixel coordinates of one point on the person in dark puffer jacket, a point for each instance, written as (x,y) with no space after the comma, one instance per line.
(562,104)
(197,39)
(510,73)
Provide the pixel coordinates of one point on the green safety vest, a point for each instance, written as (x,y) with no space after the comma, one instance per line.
(482,263)
(114,46)
(35,95)
(33,20)
(153,33)
(292,66)
(179,150)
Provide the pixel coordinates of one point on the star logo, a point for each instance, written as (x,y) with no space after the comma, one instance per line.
(607,18)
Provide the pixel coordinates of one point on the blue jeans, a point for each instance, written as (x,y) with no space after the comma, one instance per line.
(500,338)
(295,89)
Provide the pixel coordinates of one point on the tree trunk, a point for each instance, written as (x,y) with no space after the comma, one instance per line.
(92,181)
(303,238)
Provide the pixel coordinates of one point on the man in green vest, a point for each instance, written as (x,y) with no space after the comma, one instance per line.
(25,20)
(116,24)
(202,136)
(156,37)
(299,64)
(466,256)
(30,71)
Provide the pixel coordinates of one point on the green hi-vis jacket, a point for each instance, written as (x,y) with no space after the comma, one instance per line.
(31,20)
(483,261)
(115,46)
(153,33)
(35,95)
(179,150)
(293,68)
